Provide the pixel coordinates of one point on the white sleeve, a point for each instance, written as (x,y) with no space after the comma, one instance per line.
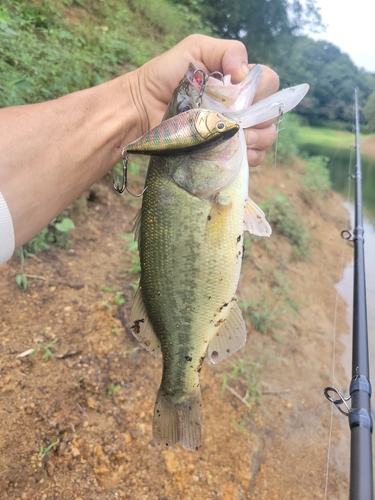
(6,232)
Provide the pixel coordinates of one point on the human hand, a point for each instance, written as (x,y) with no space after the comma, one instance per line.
(156,80)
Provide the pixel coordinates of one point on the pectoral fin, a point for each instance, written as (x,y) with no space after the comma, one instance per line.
(230,337)
(255,220)
(141,326)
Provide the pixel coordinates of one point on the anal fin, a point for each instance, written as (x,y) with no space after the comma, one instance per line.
(230,337)
(141,326)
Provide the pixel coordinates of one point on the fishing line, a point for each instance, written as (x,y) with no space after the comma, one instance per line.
(334,333)
(278,129)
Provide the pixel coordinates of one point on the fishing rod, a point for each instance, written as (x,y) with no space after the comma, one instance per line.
(359,414)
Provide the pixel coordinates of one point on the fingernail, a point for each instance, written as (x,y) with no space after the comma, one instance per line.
(245,68)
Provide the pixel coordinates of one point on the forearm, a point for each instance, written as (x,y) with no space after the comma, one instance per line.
(51,152)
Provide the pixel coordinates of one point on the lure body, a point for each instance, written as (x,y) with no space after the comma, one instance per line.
(192,131)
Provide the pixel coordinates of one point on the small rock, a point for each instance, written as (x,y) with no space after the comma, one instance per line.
(102,470)
(127,437)
(50,469)
(62,448)
(92,404)
(75,452)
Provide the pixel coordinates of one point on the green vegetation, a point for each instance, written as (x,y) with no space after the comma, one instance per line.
(288,139)
(316,178)
(132,251)
(21,278)
(113,389)
(247,372)
(267,315)
(283,217)
(46,348)
(117,298)
(325,137)
(51,48)
(369,112)
(263,318)
(44,451)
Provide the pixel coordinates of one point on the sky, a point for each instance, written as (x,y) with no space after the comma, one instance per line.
(350,26)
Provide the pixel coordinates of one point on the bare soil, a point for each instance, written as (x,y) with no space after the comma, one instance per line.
(94,396)
(368,146)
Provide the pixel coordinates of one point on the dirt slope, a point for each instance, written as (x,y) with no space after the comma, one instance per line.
(94,396)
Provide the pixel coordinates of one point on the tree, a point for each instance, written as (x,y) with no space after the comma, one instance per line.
(331,74)
(260,24)
(369,112)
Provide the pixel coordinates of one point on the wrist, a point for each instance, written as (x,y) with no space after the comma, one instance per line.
(133,88)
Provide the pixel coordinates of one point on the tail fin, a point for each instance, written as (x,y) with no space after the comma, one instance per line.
(178,421)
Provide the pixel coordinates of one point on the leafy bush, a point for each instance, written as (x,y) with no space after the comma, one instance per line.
(57,233)
(316,177)
(287,145)
(282,216)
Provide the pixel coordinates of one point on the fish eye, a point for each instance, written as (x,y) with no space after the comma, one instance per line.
(185,108)
(221,126)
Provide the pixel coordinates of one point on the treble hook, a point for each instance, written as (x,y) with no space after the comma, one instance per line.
(204,82)
(124,185)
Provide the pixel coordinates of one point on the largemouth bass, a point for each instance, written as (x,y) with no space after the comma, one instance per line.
(190,234)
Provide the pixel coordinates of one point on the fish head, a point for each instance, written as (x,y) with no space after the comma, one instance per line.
(184,97)
(222,94)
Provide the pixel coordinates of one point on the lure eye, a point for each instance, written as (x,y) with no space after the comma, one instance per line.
(221,126)
(185,108)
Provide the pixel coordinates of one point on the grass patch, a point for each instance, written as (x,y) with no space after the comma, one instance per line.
(326,137)
(283,217)
(316,177)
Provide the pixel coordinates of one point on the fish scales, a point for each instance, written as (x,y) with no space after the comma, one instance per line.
(191,254)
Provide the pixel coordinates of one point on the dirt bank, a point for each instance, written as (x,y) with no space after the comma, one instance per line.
(93,397)
(368,146)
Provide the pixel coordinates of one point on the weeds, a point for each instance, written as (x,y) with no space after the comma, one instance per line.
(316,178)
(265,317)
(56,233)
(239,426)
(21,279)
(287,145)
(113,389)
(46,348)
(283,217)
(44,451)
(117,299)
(130,352)
(132,249)
(247,372)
